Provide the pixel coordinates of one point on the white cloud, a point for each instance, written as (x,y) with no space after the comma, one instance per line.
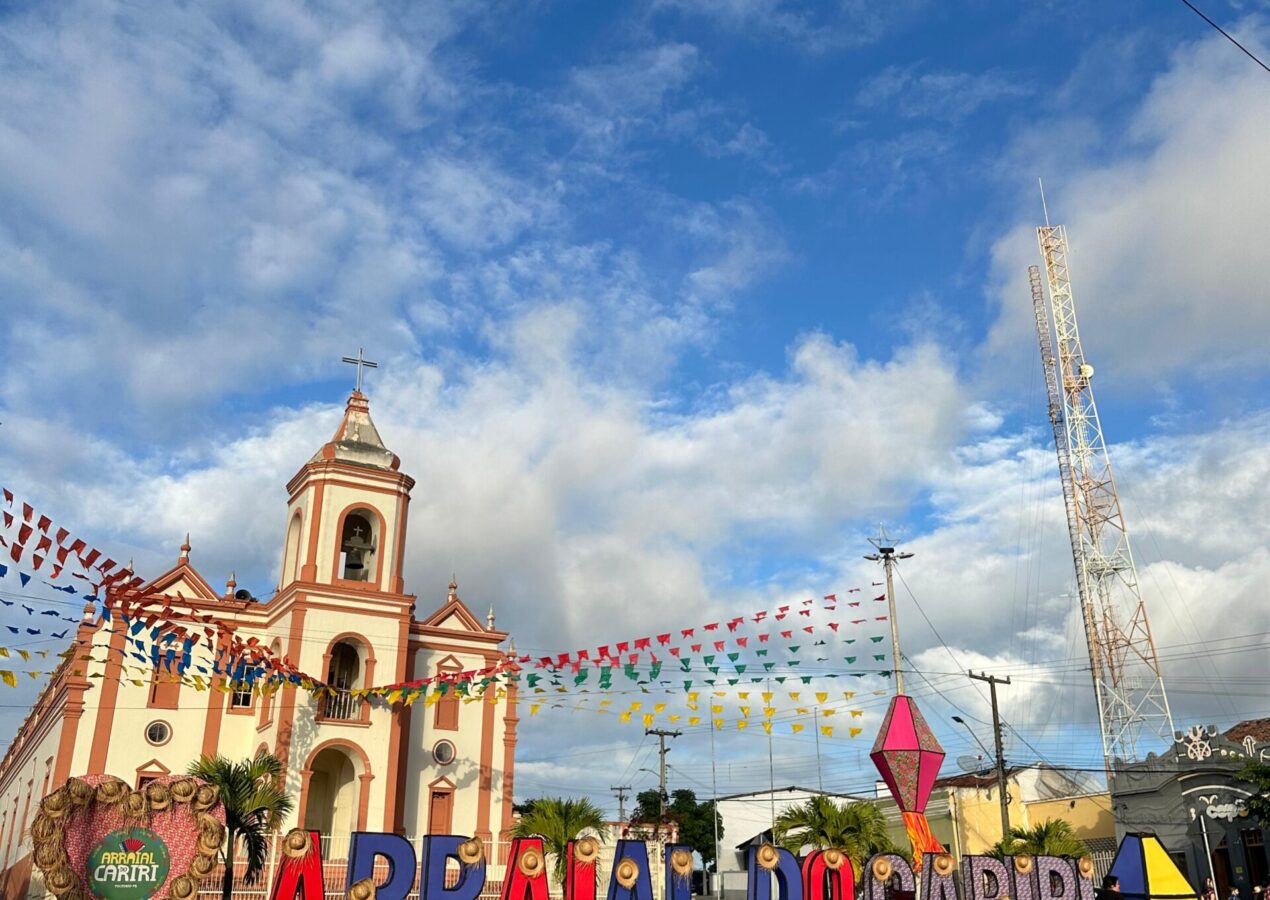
(943,95)
(813,28)
(1166,257)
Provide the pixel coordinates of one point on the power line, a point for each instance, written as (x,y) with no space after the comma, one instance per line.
(1226,35)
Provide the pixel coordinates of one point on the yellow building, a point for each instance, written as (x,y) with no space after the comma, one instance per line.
(965,812)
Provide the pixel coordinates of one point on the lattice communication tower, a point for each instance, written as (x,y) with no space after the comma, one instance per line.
(1133,709)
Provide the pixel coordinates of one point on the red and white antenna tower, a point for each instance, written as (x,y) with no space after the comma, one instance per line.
(1133,709)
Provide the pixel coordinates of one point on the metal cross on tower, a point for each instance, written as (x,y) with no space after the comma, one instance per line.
(362,363)
(1133,709)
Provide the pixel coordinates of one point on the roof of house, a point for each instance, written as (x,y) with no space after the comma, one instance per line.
(789,789)
(973,780)
(1257,729)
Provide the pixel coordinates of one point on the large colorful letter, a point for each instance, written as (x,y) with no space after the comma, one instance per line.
(436,850)
(1056,878)
(580,874)
(885,868)
(766,861)
(526,875)
(631,878)
(300,874)
(827,875)
(677,862)
(362,853)
(939,879)
(985,878)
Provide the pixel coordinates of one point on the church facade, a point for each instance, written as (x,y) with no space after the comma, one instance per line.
(340,613)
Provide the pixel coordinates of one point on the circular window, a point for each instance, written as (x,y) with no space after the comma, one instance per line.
(443,752)
(158,733)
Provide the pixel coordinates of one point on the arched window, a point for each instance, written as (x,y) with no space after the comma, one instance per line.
(291,558)
(342,675)
(358,545)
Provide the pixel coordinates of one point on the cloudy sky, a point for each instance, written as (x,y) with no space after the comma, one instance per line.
(673,305)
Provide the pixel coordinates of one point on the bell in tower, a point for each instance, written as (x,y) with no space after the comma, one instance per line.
(357,547)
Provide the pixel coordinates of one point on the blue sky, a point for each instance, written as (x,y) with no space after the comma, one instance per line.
(674,302)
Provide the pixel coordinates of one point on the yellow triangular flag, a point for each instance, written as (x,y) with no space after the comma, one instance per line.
(636,706)
(795,728)
(793,695)
(848,694)
(767,696)
(658,707)
(767,726)
(741,724)
(826,730)
(857,713)
(827,712)
(673,718)
(716,708)
(605,702)
(533,708)
(626,716)
(822,696)
(718,724)
(694,720)
(648,719)
(769,711)
(4,651)
(25,656)
(692,696)
(802,710)
(744,695)
(855,731)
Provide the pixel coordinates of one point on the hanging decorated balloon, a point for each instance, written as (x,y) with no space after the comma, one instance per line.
(908,757)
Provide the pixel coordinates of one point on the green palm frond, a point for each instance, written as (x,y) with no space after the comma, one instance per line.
(858,829)
(255,803)
(559,820)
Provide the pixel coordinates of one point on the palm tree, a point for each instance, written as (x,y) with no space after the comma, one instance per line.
(858,829)
(559,820)
(1053,837)
(255,804)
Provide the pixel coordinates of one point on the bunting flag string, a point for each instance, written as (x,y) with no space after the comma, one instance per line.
(794,644)
(707,635)
(22,523)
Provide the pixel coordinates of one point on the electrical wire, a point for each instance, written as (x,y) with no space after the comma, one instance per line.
(1226,35)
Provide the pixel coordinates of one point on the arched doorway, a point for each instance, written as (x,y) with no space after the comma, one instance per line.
(331,801)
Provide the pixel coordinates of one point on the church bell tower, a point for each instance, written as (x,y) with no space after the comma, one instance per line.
(346,517)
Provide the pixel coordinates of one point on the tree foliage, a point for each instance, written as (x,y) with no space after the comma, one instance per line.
(1257,774)
(255,803)
(696,820)
(857,828)
(558,820)
(1053,837)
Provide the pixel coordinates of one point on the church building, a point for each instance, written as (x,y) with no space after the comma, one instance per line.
(341,613)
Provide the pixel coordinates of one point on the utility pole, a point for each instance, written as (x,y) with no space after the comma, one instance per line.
(887,556)
(620,790)
(662,750)
(993,681)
